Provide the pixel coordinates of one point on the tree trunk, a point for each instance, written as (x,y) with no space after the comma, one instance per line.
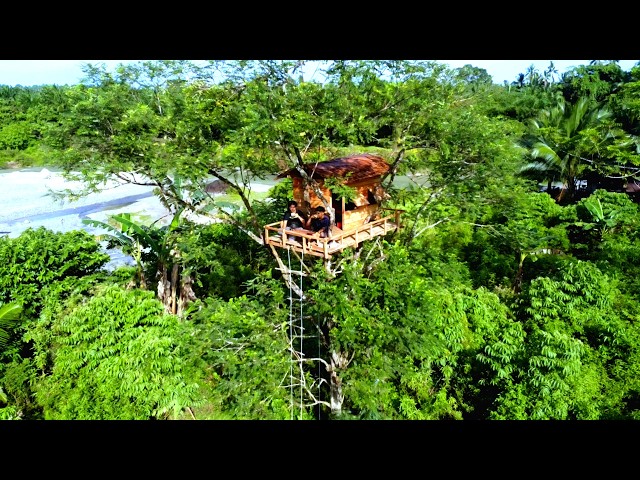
(517,281)
(339,361)
(187,295)
(174,287)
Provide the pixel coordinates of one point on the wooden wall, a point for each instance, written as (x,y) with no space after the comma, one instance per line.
(351,218)
(314,201)
(359,216)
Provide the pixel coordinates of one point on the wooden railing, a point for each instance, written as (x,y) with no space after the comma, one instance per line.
(310,243)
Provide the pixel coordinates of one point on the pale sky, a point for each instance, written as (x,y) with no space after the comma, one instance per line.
(509,70)
(68,72)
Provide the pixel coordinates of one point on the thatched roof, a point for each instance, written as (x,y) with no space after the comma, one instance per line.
(361,167)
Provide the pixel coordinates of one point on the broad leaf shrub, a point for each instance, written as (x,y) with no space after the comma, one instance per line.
(220,259)
(16,381)
(16,136)
(242,345)
(404,333)
(39,258)
(37,268)
(118,357)
(582,349)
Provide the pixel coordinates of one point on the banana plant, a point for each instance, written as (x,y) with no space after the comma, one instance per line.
(151,246)
(132,238)
(9,315)
(600,221)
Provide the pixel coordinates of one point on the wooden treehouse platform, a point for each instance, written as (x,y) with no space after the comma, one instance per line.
(309,243)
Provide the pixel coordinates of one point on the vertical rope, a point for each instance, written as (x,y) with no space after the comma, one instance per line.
(301,333)
(290,333)
(319,372)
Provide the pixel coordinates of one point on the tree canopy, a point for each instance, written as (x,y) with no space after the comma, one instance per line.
(496,299)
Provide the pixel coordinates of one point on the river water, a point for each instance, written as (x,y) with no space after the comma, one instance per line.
(26,202)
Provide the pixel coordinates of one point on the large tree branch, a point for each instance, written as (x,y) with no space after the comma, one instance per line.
(243,197)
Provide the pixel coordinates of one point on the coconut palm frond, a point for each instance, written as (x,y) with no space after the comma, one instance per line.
(544,152)
(534,167)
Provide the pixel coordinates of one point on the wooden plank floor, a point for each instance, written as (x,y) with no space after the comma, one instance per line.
(340,240)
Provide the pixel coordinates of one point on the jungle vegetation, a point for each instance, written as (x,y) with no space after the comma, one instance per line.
(509,293)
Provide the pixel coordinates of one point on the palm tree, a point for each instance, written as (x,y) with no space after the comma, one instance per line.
(549,75)
(132,238)
(565,141)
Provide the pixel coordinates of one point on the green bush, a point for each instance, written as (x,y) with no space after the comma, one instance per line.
(39,258)
(16,136)
(117,357)
(30,157)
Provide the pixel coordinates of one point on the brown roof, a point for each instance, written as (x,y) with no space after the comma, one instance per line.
(361,166)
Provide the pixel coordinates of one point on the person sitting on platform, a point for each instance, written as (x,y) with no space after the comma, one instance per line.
(293,219)
(319,222)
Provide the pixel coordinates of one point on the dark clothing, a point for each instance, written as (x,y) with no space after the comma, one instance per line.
(321,225)
(294,222)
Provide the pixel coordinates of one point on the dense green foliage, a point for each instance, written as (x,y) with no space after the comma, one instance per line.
(40,260)
(495,301)
(117,356)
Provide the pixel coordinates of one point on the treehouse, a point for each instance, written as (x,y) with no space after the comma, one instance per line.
(359,218)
